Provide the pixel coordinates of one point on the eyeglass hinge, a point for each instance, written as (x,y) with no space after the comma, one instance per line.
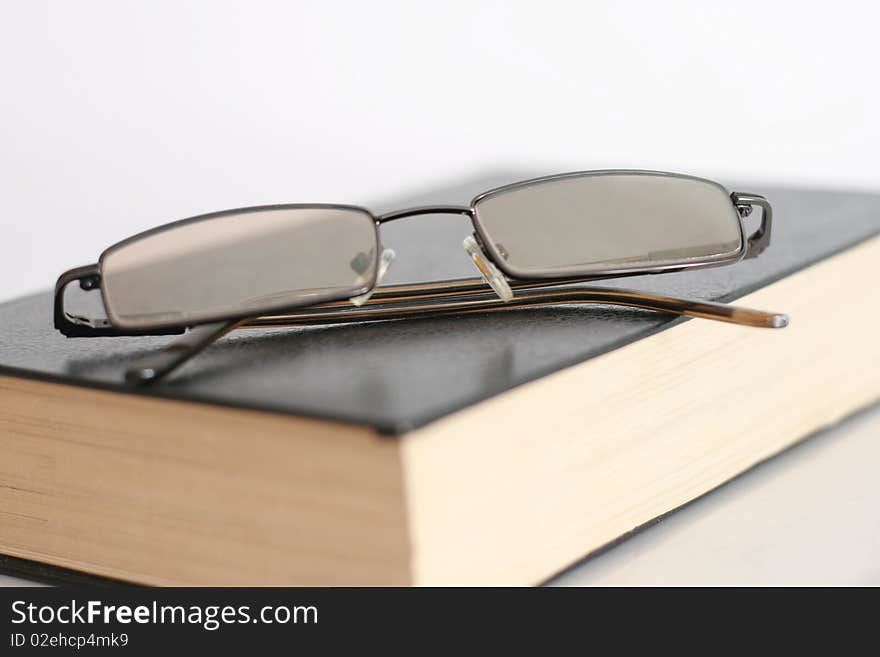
(744,209)
(92,282)
(744,204)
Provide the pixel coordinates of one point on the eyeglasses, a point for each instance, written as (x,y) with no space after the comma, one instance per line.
(307,264)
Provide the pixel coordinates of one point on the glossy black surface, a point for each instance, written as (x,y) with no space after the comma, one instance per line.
(399,375)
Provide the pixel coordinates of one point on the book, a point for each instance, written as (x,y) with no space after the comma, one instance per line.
(494,448)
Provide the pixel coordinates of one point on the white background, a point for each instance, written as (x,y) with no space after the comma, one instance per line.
(117,116)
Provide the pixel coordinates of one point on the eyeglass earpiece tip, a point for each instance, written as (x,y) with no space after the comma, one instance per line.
(779,320)
(139,375)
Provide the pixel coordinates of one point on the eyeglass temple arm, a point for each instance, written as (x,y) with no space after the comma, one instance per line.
(158,364)
(430,300)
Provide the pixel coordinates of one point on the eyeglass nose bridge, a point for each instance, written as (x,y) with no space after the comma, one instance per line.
(425,209)
(490,274)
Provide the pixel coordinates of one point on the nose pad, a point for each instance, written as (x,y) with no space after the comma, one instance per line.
(489,272)
(385,261)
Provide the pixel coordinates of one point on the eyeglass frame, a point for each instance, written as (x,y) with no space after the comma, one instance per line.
(89,276)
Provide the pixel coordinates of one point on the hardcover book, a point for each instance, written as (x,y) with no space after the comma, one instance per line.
(494,448)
